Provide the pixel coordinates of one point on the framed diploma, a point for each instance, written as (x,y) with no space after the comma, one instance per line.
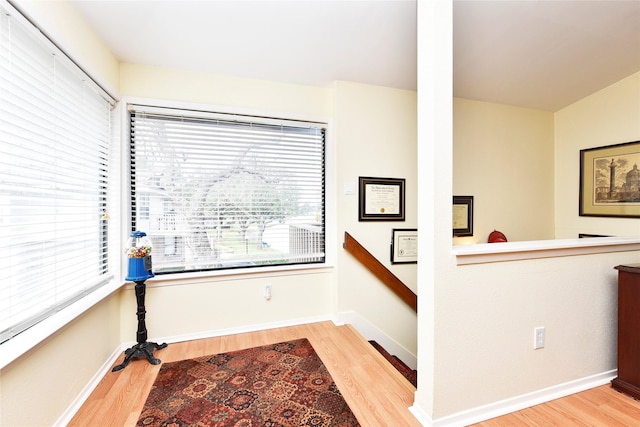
(404,246)
(462,216)
(381,199)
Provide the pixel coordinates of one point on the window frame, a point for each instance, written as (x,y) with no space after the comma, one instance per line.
(178,278)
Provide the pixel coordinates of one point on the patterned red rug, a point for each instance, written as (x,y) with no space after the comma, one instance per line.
(278,385)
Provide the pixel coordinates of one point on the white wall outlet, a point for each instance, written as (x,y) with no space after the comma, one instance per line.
(538,337)
(266,293)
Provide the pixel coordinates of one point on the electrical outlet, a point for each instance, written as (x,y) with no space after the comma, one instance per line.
(266,293)
(538,337)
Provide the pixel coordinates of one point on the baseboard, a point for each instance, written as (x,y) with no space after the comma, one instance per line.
(423,418)
(70,412)
(517,403)
(371,332)
(242,329)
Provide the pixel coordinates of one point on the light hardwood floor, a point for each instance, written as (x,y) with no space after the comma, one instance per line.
(376,393)
(598,407)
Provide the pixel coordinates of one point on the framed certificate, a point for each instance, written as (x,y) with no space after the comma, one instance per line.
(462,216)
(404,246)
(381,199)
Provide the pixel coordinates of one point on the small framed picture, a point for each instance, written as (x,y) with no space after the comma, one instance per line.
(462,216)
(381,199)
(404,246)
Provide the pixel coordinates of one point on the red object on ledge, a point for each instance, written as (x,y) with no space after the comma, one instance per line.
(496,237)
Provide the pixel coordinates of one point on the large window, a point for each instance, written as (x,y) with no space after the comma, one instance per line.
(54,159)
(215,191)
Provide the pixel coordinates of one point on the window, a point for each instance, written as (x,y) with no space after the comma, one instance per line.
(215,191)
(54,159)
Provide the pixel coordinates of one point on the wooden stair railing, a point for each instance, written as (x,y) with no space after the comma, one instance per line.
(396,285)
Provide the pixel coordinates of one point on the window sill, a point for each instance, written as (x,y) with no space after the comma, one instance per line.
(514,251)
(17,346)
(233,274)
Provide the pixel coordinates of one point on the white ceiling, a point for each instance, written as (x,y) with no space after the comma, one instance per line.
(543,54)
(311,42)
(539,54)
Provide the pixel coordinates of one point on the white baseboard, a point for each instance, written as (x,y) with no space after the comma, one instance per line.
(423,418)
(371,332)
(517,403)
(243,329)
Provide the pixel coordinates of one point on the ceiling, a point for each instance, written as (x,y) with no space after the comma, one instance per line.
(543,54)
(539,54)
(310,42)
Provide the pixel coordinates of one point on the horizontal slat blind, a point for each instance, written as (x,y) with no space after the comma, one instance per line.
(54,149)
(215,193)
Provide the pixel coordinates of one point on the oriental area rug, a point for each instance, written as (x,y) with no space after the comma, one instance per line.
(278,385)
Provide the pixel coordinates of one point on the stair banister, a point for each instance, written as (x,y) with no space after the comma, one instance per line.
(378,269)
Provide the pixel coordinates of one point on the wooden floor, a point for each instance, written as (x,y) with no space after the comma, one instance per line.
(598,407)
(376,393)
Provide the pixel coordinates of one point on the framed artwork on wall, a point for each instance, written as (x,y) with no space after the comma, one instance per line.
(381,199)
(404,246)
(462,216)
(610,181)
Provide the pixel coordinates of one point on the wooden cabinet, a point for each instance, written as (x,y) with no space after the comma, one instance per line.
(628,379)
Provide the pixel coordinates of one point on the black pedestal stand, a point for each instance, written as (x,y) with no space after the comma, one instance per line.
(143,349)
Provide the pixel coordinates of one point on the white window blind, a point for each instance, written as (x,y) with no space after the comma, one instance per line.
(54,159)
(217,192)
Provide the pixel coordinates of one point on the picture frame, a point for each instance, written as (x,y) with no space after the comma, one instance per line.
(462,216)
(610,181)
(404,246)
(381,199)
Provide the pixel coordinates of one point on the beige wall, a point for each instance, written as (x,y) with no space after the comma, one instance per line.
(609,116)
(39,386)
(485,316)
(375,137)
(208,307)
(503,156)
(364,120)
(204,305)
(523,165)
(225,91)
